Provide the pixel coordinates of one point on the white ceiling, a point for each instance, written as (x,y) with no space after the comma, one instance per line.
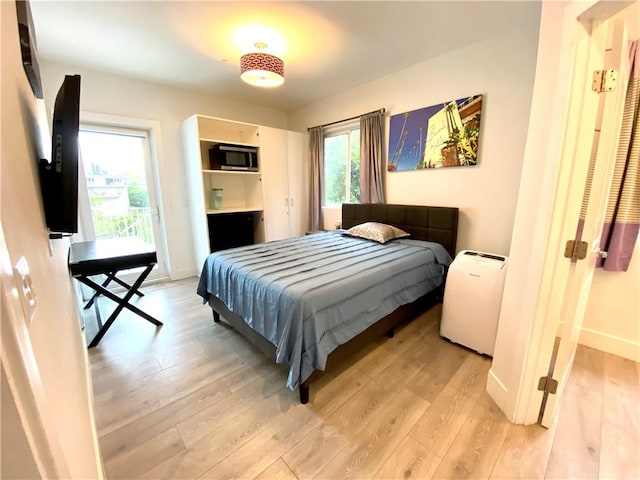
(327,46)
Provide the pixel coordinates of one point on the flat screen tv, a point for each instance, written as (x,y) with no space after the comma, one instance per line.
(59,176)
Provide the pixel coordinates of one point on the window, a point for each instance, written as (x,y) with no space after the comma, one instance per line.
(342,166)
(115,170)
(119,160)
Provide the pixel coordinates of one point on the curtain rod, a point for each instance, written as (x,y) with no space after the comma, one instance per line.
(380,110)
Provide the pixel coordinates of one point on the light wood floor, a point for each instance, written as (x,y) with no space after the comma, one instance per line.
(194,400)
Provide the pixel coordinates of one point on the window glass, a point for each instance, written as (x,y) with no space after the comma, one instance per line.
(342,167)
(115,171)
(354,195)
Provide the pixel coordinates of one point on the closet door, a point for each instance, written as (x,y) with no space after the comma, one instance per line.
(273,165)
(298,182)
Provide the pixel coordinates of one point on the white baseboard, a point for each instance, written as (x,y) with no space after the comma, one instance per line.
(180,273)
(610,344)
(497,390)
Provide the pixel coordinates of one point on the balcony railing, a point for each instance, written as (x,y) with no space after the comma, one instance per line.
(136,223)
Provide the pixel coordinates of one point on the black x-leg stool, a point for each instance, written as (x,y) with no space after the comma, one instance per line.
(108,257)
(111,276)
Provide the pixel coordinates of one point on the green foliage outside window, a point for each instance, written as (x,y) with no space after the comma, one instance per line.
(335,162)
(355,167)
(342,168)
(138,196)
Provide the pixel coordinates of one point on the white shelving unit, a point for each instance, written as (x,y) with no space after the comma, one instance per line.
(275,196)
(242,191)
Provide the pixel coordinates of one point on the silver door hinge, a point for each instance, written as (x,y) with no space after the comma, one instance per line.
(576,249)
(604,80)
(547,384)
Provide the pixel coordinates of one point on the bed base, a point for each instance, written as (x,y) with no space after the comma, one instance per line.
(385,326)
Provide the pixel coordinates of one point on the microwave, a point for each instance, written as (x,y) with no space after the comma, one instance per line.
(233,157)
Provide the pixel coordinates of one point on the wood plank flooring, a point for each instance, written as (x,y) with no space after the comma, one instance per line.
(193,399)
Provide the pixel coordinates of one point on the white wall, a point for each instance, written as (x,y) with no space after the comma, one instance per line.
(502,69)
(612,321)
(533,211)
(116,95)
(16,458)
(54,336)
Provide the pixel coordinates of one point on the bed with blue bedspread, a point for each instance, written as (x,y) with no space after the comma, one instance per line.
(307,296)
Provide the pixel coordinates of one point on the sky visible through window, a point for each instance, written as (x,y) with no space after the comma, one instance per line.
(113,154)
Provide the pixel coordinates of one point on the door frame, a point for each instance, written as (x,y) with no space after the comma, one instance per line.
(152,128)
(528,323)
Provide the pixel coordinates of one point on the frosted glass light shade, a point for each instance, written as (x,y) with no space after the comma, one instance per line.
(262,69)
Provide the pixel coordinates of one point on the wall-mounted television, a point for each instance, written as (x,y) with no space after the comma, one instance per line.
(59,176)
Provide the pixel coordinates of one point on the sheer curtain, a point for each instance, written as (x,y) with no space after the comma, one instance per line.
(622,220)
(316,155)
(371,168)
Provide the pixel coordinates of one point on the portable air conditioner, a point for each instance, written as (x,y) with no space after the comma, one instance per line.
(472,298)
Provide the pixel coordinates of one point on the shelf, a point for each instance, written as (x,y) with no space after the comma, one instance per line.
(230,172)
(227,142)
(211,211)
(218,130)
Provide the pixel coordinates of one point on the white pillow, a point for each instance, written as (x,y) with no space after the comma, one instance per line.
(378,232)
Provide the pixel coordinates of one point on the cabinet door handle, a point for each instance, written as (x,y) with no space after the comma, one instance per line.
(286,202)
(291,202)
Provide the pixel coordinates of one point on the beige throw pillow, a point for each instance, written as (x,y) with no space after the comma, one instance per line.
(378,232)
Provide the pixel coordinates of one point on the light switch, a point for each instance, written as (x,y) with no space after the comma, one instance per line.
(25,286)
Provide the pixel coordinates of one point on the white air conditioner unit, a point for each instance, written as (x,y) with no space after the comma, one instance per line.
(472,298)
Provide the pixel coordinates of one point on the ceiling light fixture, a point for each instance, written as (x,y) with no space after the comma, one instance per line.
(262,69)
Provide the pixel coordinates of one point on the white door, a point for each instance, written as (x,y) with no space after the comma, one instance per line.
(275,185)
(298,183)
(590,113)
(121,198)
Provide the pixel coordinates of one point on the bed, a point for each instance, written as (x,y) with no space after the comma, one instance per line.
(307,299)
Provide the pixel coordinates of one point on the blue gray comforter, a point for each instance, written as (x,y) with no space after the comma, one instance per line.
(310,294)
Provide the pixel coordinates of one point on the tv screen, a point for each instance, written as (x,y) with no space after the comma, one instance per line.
(59,177)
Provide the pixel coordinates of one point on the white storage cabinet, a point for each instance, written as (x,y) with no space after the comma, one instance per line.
(472,298)
(285,185)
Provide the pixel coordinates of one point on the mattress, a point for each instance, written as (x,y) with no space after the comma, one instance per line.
(308,295)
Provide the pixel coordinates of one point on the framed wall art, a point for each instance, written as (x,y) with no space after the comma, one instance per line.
(442,135)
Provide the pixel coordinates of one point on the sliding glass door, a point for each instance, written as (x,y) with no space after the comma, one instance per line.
(121,194)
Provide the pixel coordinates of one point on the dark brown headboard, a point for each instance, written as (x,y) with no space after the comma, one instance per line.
(434,224)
